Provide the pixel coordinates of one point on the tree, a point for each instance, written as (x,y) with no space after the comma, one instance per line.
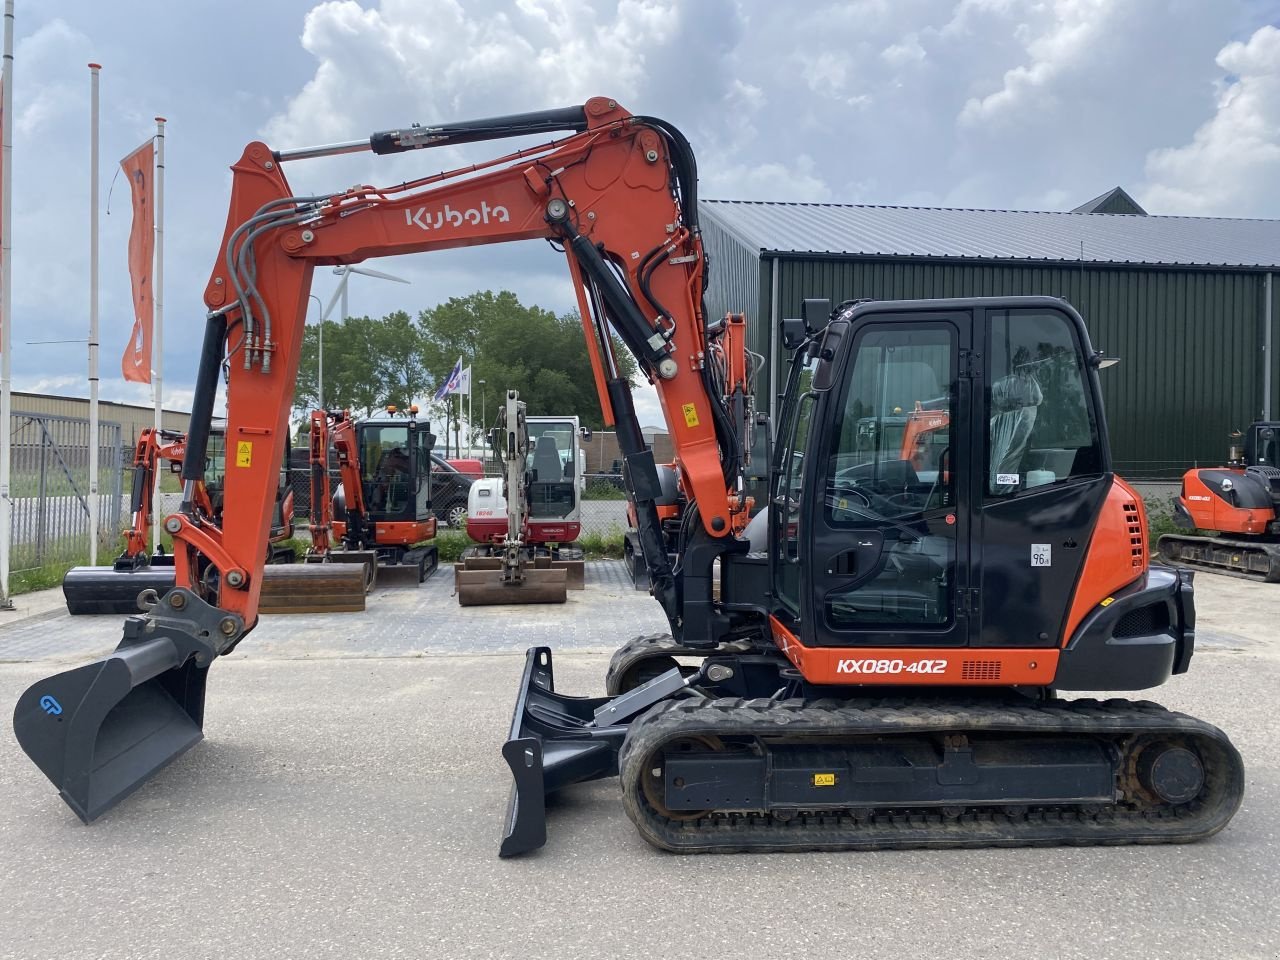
(368,363)
(511,346)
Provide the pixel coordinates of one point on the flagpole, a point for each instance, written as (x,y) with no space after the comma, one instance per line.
(94,505)
(157,322)
(6,303)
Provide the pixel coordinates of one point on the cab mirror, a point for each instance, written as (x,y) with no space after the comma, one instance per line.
(793,334)
(816,313)
(585,434)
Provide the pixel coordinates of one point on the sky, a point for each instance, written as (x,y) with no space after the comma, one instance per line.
(1024,104)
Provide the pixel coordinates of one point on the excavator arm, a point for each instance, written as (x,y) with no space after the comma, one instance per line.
(618,195)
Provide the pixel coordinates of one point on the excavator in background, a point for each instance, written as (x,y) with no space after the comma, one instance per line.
(381,511)
(115,589)
(509,569)
(884,661)
(547,520)
(1238,505)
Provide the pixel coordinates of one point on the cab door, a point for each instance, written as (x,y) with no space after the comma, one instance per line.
(875,550)
(1045,472)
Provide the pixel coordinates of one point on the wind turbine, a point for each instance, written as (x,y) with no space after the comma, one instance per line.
(345,272)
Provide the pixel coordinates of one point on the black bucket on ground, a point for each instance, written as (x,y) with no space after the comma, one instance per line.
(90,590)
(100,731)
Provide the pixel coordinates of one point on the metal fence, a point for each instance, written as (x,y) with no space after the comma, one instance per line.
(49,486)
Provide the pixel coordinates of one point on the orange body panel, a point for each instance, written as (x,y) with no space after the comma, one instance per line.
(399,533)
(1211,512)
(1116,557)
(950,666)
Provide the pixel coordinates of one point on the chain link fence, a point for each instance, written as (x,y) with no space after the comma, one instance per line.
(49,487)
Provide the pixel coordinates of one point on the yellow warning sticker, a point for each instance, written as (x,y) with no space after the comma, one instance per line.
(244,453)
(690,415)
(824,779)
(1108,602)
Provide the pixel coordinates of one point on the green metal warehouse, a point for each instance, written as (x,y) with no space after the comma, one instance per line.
(1185,302)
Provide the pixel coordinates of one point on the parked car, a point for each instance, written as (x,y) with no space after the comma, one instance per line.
(449,489)
(469,467)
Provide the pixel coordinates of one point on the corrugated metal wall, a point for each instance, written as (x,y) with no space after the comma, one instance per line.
(1190,341)
(132,419)
(734,280)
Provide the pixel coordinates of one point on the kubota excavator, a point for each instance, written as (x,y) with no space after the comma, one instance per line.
(384,500)
(116,589)
(884,662)
(1239,503)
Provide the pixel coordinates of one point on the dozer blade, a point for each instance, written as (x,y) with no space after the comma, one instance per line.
(312,588)
(553,743)
(575,572)
(99,731)
(92,590)
(478,588)
(368,558)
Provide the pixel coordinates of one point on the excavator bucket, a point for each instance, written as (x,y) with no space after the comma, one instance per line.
(313,588)
(90,590)
(485,586)
(101,730)
(367,558)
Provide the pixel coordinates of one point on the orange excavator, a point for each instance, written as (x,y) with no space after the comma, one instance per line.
(1237,506)
(115,589)
(883,662)
(384,500)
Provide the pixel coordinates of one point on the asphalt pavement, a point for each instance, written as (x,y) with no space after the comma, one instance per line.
(347,803)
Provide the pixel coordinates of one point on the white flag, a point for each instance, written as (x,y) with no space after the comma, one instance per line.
(464,382)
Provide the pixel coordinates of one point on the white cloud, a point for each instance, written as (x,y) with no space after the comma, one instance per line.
(1232,165)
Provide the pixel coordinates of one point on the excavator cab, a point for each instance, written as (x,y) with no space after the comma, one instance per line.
(1012,559)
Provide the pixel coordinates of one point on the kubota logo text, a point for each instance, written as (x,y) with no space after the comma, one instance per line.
(449,217)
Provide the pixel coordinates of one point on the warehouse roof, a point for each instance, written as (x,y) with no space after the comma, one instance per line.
(858,230)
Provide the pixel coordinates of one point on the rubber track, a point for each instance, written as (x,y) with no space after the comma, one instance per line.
(654,646)
(1270,550)
(1126,822)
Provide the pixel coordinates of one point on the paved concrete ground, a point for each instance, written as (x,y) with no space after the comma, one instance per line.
(350,808)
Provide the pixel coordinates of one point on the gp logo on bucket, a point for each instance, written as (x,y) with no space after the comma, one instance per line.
(50,705)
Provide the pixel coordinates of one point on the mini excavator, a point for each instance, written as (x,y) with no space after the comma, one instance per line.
(381,513)
(1238,505)
(116,589)
(878,655)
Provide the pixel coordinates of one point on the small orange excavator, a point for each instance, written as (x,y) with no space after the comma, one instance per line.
(115,589)
(1239,503)
(381,512)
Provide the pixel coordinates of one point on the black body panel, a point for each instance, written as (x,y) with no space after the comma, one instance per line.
(1135,642)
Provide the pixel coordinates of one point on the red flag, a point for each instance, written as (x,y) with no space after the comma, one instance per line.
(139,167)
